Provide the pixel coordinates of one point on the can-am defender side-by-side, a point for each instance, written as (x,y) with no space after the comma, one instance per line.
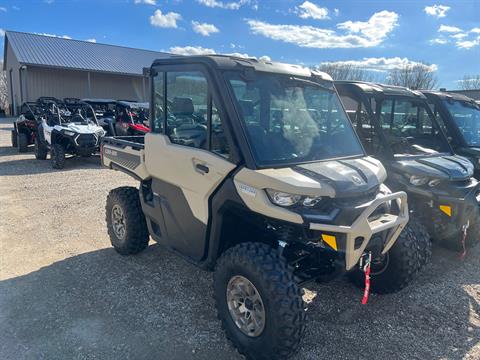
(25,126)
(281,192)
(459,116)
(131,118)
(397,126)
(64,132)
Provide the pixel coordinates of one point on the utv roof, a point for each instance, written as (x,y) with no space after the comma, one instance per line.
(449,95)
(133,104)
(99,101)
(380,89)
(226,62)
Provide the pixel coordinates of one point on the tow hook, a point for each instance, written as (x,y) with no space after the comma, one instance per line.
(464,239)
(365,263)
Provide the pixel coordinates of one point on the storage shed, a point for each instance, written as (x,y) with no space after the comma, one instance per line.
(38,65)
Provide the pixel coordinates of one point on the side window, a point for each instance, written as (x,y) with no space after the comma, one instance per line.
(439,118)
(219,144)
(187,97)
(158,103)
(362,124)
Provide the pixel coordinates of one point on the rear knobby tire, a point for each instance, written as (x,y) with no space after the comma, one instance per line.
(135,238)
(402,264)
(22,142)
(57,156)
(283,304)
(14,138)
(41,150)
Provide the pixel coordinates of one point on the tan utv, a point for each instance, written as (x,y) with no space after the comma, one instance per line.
(253,170)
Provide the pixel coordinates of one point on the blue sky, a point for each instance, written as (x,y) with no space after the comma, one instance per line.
(377,35)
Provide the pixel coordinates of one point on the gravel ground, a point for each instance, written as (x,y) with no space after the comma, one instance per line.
(65,294)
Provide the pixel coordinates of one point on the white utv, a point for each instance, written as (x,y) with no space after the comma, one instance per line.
(280,193)
(68,131)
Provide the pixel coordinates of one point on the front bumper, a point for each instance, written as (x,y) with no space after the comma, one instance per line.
(358,235)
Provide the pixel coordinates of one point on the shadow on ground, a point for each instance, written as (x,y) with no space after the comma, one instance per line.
(157,306)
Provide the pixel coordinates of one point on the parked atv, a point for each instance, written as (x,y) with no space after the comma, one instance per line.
(459,117)
(63,132)
(25,126)
(397,126)
(105,113)
(131,118)
(280,194)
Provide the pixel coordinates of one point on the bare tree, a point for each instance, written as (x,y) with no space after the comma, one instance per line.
(416,76)
(3,88)
(470,82)
(339,71)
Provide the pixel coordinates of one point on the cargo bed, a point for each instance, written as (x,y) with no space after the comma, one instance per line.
(125,153)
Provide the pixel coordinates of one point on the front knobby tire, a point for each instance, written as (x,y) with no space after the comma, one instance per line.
(57,156)
(126,223)
(284,314)
(424,240)
(397,268)
(22,142)
(41,150)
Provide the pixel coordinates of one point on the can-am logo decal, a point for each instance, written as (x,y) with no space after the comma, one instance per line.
(248,190)
(357,180)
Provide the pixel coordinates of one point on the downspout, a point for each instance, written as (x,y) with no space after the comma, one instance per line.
(89,85)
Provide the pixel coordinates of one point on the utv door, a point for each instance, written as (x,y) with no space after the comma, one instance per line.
(186,160)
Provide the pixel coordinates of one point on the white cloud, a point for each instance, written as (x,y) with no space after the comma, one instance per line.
(438,11)
(92,40)
(439,41)
(381,64)
(53,35)
(231,5)
(198,50)
(49,2)
(449,29)
(2,8)
(191,50)
(468,44)
(475,30)
(2,32)
(148,2)
(168,20)
(204,28)
(310,10)
(357,33)
(336,11)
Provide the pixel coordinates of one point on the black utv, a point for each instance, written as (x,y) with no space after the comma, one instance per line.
(25,126)
(397,126)
(459,117)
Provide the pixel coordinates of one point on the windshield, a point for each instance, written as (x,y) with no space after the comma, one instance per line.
(467,118)
(291,120)
(410,129)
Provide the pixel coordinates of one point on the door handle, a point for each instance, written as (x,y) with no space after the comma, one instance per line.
(202,168)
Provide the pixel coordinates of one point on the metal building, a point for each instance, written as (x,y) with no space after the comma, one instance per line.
(38,65)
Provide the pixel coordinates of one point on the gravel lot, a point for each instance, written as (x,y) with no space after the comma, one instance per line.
(65,294)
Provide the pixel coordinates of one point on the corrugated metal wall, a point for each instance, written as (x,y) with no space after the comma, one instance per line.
(70,83)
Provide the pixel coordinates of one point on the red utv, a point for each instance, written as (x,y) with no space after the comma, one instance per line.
(131,118)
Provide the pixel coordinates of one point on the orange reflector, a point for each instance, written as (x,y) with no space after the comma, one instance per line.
(446,209)
(330,240)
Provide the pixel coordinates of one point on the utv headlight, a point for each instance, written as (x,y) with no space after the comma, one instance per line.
(68,133)
(286,199)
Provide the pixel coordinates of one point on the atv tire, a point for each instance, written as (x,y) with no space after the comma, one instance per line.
(14,138)
(400,265)
(41,150)
(57,155)
(22,141)
(281,300)
(424,241)
(454,243)
(126,223)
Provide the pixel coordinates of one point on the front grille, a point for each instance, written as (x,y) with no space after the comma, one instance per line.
(356,200)
(86,140)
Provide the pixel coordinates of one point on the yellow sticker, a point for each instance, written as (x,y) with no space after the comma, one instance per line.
(330,240)
(446,209)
